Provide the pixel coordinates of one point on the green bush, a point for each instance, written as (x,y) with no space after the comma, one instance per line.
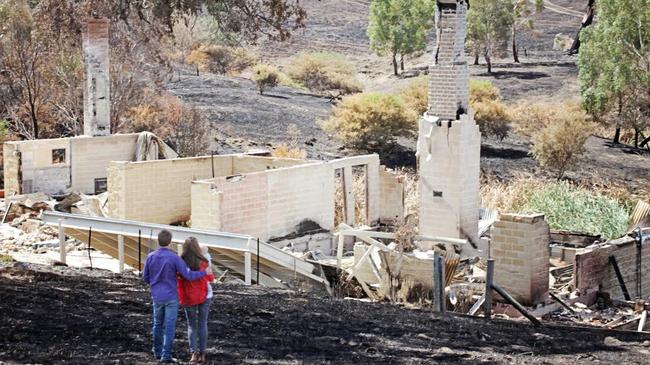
(371,121)
(492,115)
(265,77)
(416,95)
(483,90)
(325,71)
(570,208)
(492,118)
(558,144)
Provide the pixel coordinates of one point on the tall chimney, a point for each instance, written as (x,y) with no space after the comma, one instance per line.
(97,90)
(449,140)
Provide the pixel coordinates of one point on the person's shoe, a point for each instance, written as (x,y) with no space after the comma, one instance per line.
(169,361)
(195,358)
(202,358)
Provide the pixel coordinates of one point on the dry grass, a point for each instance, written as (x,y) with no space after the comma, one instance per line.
(285,151)
(359,187)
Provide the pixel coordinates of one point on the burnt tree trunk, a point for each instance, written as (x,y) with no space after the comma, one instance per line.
(617,135)
(515,53)
(586,21)
(401,62)
(395,70)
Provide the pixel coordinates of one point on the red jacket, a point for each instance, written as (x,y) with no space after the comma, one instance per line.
(195,292)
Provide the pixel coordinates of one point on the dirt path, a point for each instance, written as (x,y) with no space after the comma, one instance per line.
(59,315)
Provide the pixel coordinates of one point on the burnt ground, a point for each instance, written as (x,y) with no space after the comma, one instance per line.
(74,316)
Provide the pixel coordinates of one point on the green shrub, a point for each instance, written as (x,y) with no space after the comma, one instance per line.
(416,95)
(570,208)
(491,115)
(483,90)
(558,144)
(325,71)
(492,118)
(220,59)
(371,121)
(265,77)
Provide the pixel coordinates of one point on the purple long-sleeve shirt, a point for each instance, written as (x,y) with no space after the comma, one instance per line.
(160,271)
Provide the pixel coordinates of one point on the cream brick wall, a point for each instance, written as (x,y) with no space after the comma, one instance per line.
(243,164)
(449,165)
(520,248)
(206,205)
(298,193)
(91,157)
(159,191)
(11,161)
(626,255)
(391,197)
(266,204)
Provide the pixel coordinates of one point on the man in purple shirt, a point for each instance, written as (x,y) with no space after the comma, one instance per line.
(160,272)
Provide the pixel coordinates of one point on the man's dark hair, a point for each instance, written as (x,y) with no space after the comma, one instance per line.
(164,238)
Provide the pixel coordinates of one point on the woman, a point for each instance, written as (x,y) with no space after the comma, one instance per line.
(193,297)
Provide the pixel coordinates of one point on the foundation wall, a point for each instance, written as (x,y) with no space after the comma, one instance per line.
(391,206)
(520,249)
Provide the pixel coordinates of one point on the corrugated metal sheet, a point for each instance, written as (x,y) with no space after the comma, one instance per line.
(640,216)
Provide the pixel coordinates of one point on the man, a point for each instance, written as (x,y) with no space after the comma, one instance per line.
(160,272)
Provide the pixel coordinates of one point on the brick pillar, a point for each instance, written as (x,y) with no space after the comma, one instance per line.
(520,248)
(97,104)
(449,140)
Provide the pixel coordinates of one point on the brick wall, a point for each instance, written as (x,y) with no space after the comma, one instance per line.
(391,191)
(520,248)
(97,112)
(590,267)
(91,157)
(449,75)
(159,191)
(449,158)
(11,162)
(265,204)
(86,159)
(625,251)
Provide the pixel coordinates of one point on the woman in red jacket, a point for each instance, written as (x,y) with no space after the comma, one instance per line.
(193,298)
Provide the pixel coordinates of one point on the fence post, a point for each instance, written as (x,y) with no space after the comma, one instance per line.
(120,252)
(62,251)
(247,263)
(489,280)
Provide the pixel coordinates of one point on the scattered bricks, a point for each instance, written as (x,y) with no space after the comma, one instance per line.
(519,247)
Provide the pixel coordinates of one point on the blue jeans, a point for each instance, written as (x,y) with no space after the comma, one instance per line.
(164,327)
(197,326)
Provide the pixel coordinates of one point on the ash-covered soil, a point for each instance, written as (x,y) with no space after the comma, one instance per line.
(61,315)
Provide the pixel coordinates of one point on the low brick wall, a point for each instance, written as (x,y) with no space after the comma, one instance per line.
(520,248)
